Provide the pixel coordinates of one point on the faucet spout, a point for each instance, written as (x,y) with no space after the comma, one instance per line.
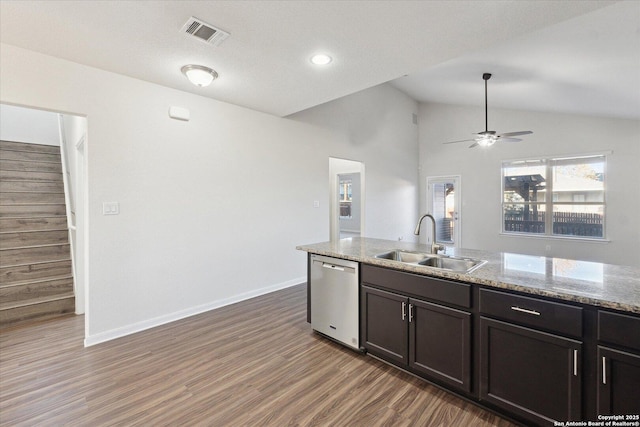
(434,247)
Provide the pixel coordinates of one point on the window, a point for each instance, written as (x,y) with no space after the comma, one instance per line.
(554,197)
(346,198)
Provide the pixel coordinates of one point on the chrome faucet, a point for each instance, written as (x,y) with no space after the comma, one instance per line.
(434,247)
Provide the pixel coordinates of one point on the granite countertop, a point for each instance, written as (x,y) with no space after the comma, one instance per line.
(604,285)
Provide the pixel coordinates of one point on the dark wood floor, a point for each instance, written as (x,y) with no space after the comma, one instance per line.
(256,363)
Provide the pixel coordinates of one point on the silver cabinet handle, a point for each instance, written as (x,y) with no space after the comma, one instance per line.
(604,370)
(410,313)
(404,314)
(524,310)
(575,363)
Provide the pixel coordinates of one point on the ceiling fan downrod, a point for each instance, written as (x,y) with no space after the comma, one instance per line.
(485,77)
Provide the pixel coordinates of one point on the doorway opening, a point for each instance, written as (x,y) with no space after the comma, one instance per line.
(346,179)
(43,213)
(443,201)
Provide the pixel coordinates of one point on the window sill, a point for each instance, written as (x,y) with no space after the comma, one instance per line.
(547,237)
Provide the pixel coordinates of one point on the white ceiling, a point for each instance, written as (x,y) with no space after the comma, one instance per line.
(549,55)
(586,65)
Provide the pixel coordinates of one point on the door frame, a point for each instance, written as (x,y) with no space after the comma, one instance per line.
(457,181)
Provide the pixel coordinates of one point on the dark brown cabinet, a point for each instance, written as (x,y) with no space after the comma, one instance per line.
(619,379)
(440,343)
(618,364)
(384,325)
(429,339)
(533,374)
(528,365)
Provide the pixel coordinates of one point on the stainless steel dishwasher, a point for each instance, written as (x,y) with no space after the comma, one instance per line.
(334,299)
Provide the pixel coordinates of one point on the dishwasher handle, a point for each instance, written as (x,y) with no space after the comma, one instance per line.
(334,266)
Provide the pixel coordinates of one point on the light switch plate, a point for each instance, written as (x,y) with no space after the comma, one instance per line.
(110,208)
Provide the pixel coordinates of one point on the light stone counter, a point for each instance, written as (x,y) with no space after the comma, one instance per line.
(603,285)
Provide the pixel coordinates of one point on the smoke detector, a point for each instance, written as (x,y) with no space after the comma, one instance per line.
(203,31)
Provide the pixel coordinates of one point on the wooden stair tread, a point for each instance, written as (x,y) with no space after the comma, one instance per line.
(35,301)
(29,147)
(36,246)
(33,231)
(30,166)
(35,216)
(32,211)
(33,204)
(35,271)
(31,176)
(35,281)
(29,255)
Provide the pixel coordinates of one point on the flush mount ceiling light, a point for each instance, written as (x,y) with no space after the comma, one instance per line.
(321,59)
(199,75)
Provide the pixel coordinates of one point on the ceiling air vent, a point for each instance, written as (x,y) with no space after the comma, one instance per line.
(203,31)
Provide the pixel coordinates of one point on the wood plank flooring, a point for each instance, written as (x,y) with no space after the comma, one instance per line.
(255,363)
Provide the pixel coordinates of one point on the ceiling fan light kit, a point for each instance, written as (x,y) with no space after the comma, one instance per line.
(486,140)
(490,137)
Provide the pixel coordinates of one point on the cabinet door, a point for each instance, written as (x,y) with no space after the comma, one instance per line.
(530,373)
(440,343)
(385,324)
(619,382)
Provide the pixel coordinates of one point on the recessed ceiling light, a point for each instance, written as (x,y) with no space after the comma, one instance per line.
(321,59)
(199,75)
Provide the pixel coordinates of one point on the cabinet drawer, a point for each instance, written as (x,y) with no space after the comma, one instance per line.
(420,286)
(552,316)
(620,329)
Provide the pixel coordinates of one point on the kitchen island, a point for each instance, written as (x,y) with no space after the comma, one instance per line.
(541,340)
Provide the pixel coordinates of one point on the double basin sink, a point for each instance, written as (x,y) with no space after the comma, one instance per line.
(443,262)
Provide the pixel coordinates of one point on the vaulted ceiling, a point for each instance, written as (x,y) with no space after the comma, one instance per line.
(545,55)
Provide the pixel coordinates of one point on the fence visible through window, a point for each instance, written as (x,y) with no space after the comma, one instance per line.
(571,189)
(564,223)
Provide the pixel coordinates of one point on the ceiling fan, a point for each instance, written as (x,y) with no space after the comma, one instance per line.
(490,137)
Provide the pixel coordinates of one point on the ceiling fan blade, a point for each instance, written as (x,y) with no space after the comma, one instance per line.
(473,145)
(524,132)
(462,140)
(509,139)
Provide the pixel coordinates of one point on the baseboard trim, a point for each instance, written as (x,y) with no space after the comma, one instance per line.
(123,331)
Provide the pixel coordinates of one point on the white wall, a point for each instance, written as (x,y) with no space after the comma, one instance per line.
(28,125)
(211,209)
(554,134)
(375,127)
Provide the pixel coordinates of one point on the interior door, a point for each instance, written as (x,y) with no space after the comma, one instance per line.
(443,202)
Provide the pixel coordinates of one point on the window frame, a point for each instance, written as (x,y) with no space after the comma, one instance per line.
(549,203)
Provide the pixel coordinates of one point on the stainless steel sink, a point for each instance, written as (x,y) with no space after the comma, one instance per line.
(403,256)
(463,265)
(443,262)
